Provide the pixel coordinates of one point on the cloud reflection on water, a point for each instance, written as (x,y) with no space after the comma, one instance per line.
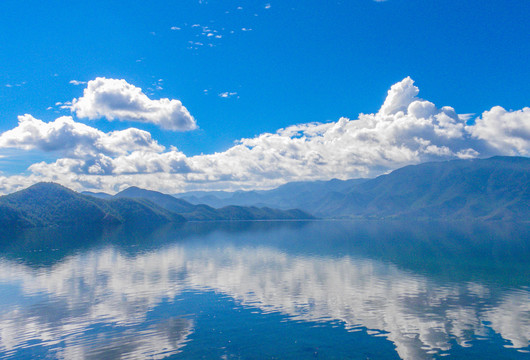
(419,314)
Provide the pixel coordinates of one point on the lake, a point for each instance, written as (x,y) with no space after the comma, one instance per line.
(268,290)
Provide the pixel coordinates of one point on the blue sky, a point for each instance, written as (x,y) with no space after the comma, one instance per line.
(245,68)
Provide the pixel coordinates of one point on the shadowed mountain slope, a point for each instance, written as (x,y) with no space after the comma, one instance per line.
(49,204)
(494,188)
(205,212)
(306,195)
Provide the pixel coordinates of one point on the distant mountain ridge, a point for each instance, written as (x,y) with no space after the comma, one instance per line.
(493,188)
(306,195)
(497,188)
(204,212)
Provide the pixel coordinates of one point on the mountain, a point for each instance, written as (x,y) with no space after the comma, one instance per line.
(306,195)
(101,195)
(205,212)
(495,188)
(166,201)
(49,204)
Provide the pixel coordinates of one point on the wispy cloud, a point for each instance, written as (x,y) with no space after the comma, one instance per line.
(77,82)
(227,94)
(63,105)
(204,36)
(15,85)
(156,86)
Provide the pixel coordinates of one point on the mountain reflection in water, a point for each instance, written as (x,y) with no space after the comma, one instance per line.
(428,288)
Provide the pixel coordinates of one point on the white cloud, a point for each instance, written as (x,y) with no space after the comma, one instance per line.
(507,131)
(117,99)
(75,139)
(227,94)
(76,82)
(406,130)
(175,28)
(399,97)
(15,85)
(267,6)
(207,32)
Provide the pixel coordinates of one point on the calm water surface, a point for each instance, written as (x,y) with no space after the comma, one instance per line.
(262,290)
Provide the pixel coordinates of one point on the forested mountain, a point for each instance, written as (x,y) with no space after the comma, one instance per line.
(101,195)
(497,188)
(49,204)
(305,195)
(205,212)
(494,188)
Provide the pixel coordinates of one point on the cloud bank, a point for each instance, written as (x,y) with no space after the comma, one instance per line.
(406,130)
(115,99)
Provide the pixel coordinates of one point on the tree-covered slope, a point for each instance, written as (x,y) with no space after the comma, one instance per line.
(49,204)
(203,212)
(306,195)
(166,201)
(494,188)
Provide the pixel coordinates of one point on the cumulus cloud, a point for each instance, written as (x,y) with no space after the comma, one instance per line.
(137,162)
(75,139)
(115,99)
(507,131)
(406,130)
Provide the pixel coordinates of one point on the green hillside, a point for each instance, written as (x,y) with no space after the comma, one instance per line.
(49,204)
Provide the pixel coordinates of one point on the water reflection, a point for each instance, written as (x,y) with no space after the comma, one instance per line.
(96,301)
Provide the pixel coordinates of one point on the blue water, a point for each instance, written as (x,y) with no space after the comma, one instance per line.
(268,290)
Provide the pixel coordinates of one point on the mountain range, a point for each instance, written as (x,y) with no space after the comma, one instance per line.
(497,188)
(50,204)
(493,188)
(205,212)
